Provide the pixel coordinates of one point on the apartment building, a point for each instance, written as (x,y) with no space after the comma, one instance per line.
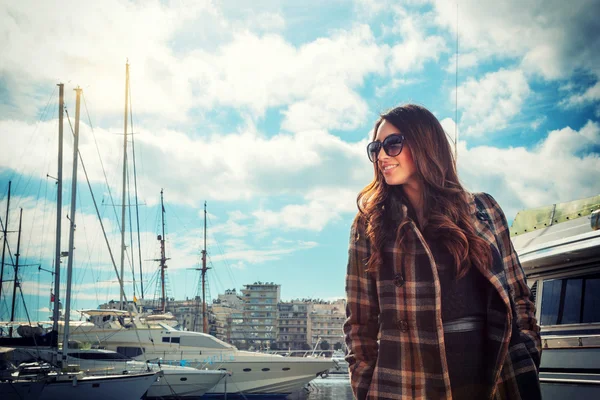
(260,314)
(326,320)
(293,325)
(227,312)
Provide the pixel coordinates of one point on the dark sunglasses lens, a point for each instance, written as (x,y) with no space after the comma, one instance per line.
(393,145)
(373,150)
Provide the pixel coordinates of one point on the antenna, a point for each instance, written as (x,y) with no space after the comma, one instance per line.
(456,99)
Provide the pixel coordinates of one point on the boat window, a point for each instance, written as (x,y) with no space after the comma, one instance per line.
(166,339)
(266,369)
(110,356)
(571,300)
(130,351)
(174,340)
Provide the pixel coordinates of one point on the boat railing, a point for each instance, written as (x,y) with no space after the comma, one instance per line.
(570,341)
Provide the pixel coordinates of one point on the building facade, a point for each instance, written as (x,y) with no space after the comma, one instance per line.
(326,321)
(293,326)
(260,314)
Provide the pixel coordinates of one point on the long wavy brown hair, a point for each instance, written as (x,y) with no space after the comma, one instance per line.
(446,215)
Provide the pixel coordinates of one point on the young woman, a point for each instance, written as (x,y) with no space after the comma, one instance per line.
(437,303)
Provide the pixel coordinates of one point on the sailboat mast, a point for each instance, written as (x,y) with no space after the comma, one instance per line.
(5,238)
(124,180)
(204,319)
(163,258)
(55,310)
(16,278)
(71,229)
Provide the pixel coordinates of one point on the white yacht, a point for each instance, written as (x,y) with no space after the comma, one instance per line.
(249,373)
(176,380)
(559,249)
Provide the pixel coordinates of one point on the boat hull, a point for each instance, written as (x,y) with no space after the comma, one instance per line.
(99,388)
(184,384)
(21,390)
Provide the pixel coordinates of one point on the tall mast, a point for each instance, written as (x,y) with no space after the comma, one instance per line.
(16,279)
(124,180)
(204,319)
(163,259)
(5,239)
(137,211)
(71,230)
(55,310)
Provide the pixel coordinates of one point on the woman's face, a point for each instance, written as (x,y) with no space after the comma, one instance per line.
(399,170)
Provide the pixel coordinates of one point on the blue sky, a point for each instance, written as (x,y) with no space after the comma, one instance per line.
(263,110)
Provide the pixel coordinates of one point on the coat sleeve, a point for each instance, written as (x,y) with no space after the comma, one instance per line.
(520,292)
(362,311)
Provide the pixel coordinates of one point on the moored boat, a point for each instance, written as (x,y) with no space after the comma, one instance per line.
(250,372)
(559,249)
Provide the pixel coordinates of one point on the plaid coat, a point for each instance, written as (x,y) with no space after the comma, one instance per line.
(394,327)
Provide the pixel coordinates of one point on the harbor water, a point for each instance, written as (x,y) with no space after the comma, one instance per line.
(335,386)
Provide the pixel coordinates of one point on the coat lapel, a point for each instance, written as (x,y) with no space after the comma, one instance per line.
(500,318)
(482,222)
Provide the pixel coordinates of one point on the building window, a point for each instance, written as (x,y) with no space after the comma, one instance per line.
(571,300)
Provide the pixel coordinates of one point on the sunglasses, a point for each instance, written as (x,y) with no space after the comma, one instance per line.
(392,145)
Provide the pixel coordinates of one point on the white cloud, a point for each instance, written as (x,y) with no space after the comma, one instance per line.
(223,167)
(466,63)
(489,104)
(393,85)
(591,95)
(71,43)
(551,38)
(308,78)
(185,59)
(322,206)
(538,122)
(416,47)
(327,107)
(557,169)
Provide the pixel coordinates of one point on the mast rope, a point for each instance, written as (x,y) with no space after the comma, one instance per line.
(41,117)
(119,277)
(137,211)
(100,158)
(12,261)
(225,260)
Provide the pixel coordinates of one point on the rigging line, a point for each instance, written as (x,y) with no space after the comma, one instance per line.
(28,318)
(119,278)
(101,163)
(89,250)
(225,260)
(33,220)
(456,100)
(132,262)
(98,214)
(19,199)
(186,227)
(44,219)
(26,147)
(215,276)
(137,210)
(12,261)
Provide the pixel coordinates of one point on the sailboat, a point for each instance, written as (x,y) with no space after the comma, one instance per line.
(62,382)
